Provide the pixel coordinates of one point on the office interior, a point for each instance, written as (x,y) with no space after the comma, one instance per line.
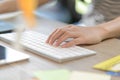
(30,64)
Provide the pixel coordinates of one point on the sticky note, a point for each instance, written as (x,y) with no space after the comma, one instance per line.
(88,76)
(53,75)
(110,64)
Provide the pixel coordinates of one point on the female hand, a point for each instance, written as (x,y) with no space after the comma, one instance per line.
(80,35)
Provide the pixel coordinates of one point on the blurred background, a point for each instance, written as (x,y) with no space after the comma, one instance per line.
(68,11)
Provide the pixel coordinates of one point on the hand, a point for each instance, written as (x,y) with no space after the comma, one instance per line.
(80,35)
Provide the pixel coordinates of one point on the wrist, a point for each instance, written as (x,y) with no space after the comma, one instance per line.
(112,28)
(104,32)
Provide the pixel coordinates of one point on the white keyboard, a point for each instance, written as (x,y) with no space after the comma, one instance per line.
(35,42)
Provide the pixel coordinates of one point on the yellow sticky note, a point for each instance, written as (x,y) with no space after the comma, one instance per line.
(28,6)
(108,65)
(88,76)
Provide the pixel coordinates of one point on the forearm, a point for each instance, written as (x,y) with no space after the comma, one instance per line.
(11,5)
(41,2)
(8,6)
(111,29)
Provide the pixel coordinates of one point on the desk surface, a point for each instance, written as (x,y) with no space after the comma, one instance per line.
(105,50)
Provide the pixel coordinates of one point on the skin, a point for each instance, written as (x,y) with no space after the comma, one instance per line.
(80,35)
(12,5)
(84,35)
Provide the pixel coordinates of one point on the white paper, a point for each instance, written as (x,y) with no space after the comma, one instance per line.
(89,76)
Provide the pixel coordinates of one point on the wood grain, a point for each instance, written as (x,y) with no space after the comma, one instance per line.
(105,50)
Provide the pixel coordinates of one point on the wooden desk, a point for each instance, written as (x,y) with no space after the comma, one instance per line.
(105,50)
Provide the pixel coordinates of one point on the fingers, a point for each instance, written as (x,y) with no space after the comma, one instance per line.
(56,34)
(74,42)
(50,36)
(60,35)
(61,39)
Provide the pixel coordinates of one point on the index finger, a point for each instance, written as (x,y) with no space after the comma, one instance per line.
(50,36)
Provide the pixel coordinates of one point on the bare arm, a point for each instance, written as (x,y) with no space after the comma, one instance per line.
(85,35)
(112,28)
(8,6)
(11,5)
(41,2)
